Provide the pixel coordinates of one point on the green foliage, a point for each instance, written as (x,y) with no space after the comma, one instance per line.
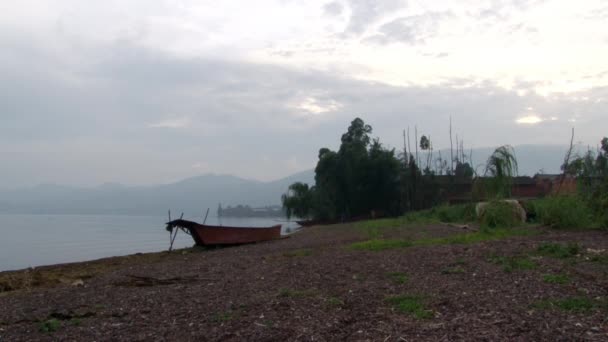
(564,212)
(285,292)
(457,239)
(572,304)
(50,325)
(501,167)
(455,213)
(380,244)
(499,214)
(335,302)
(360,178)
(513,263)
(556,278)
(398,277)
(557,250)
(298,201)
(412,305)
(298,253)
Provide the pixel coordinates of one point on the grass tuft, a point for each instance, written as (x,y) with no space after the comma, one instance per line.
(556,278)
(412,305)
(298,253)
(514,263)
(572,304)
(380,244)
(465,238)
(557,250)
(50,325)
(398,277)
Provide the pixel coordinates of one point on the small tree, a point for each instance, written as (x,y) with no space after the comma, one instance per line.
(501,167)
(298,200)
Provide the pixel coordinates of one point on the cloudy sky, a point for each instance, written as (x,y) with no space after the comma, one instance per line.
(143,92)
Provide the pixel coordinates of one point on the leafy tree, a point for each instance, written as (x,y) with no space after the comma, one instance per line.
(298,200)
(501,166)
(425,143)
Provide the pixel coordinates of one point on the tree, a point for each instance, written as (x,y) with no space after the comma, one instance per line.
(361,177)
(298,200)
(501,166)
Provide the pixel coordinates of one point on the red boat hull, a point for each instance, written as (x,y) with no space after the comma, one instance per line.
(214,235)
(205,235)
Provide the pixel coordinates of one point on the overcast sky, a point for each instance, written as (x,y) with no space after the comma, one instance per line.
(143,92)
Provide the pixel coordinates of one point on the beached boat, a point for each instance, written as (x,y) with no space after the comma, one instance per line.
(205,235)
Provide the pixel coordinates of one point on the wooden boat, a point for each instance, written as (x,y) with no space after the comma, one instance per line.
(205,235)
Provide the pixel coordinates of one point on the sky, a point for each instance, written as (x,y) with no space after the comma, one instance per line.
(146,92)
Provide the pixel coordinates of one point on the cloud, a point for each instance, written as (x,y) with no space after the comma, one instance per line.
(365,13)
(172,123)
(90,122)
(333,8)
(410,30)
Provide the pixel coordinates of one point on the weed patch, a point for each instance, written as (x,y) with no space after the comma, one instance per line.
(500,214)
(398,277)
(465,238)
(289,293)
(335,302)
(557,250)
(572,304)
(453,269)
(412,305)
(298,253)
(514,263)
(564,212)
(50,325)
(380,244)
(556,278)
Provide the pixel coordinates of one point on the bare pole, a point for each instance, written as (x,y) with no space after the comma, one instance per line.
(409,146)
(451,149)
(175,235)
(416,133)
(566,162)
(405,158)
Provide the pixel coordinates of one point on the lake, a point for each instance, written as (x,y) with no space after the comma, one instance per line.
(35,240)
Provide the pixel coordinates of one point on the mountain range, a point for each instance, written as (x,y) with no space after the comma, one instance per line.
(194,195)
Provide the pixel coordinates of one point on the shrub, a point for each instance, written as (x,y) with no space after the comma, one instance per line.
(455,213)
(564,212)
(499,214)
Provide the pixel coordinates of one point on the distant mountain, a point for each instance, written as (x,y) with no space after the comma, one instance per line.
(194,195)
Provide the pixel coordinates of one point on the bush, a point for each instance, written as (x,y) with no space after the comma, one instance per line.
(564,212)
(499,214)
(455,213)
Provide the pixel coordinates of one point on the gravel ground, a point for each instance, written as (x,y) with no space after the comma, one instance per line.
(313,287)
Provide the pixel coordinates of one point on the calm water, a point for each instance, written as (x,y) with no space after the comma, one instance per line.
(35,240)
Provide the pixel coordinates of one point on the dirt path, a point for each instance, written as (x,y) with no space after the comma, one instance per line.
(314,287)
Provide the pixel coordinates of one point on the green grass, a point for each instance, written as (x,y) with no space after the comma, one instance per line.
(335,302)
(298,253)
(444,213)
(412,305)
(464,238)
(398,277)
(556,278)
(453,269)
(557,250)
(380,244)
(50,325)
(221,317)
(285,292)
(572,304)
(514,263)
(564,212)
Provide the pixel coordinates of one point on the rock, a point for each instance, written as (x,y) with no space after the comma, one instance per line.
(78,282)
